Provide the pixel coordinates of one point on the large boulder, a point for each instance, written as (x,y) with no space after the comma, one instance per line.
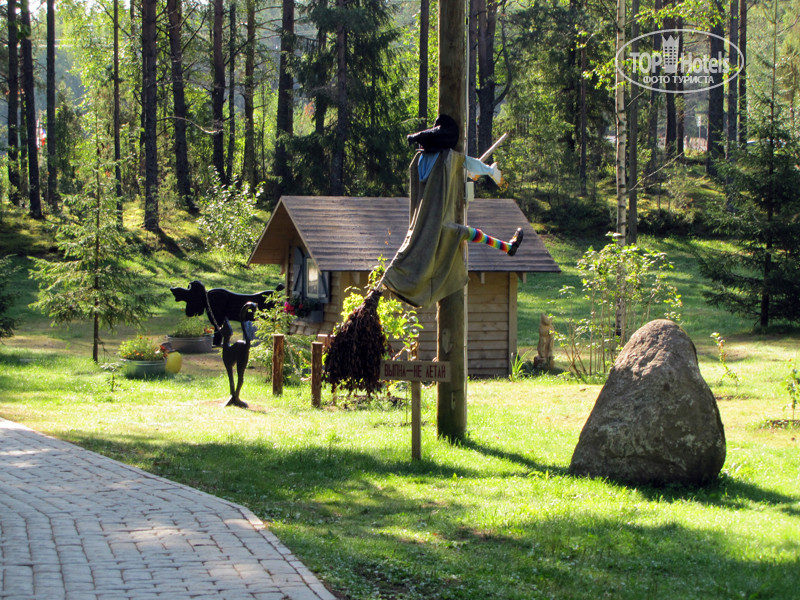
(655,420)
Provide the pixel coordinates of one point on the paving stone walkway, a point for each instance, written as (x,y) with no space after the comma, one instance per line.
(77,525)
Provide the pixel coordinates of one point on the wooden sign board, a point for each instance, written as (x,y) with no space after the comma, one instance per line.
(415,370)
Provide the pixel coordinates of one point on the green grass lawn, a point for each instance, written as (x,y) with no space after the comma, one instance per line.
(495,517)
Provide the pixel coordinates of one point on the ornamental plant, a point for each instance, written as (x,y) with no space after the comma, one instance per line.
(192,327)
(300,307)
(141,348)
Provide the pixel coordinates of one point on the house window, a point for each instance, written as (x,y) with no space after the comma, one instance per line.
(314,286)
(309,282)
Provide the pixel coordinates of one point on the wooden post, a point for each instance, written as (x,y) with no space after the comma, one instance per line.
(451,336)
(415,371)
(277,364)
(416,420)
(316,374)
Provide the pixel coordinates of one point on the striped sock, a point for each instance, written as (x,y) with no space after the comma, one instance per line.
(478,237)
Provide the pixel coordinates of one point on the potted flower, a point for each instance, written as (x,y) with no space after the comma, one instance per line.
(142,357)
(304,308)
(192,335)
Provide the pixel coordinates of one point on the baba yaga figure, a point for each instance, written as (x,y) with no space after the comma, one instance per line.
(425,268)
(237,353)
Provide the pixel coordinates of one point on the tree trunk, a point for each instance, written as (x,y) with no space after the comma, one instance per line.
(680,102)
(487,25)
(320,99)
(23,147)
(116,125)
(218,94)
(13,106)
(231,92)
(424,28)
(742,78)
(52,172)
(285,116)
(652,117)
(451,416)
(342,116)
(621,129)
(149,99)
(583,118)
(28,87)
(136,134)
(472,80)
(671,130)
(733,91)
(633,140)
(716,108)
(175,16)
(249,160)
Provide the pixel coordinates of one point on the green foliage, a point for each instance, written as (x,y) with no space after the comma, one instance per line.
(519,366)
(7,297)
(792,382)
(378,109)
(626,286)
(227,217)
(542,43)
(296,348)
(723,358)
(760,278)
(399,321)
(94,278)
(141,348)
(191,327)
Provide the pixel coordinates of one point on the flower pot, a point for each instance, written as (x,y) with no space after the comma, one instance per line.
(143,369)
(191,345)
(315,316)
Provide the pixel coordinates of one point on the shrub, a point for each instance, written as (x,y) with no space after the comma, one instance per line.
(625,287)
(296,348)
(227,217)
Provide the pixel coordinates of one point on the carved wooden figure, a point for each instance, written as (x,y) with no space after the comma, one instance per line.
(237,353)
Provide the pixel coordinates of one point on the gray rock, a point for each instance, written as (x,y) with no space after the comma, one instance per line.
(655,420)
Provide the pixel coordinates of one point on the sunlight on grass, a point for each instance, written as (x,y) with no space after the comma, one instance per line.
(495,517)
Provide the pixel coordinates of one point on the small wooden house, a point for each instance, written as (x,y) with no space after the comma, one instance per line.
(327,244)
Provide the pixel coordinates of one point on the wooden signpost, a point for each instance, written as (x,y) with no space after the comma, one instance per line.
(415,371)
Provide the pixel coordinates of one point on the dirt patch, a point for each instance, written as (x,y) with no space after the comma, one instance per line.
(782,424)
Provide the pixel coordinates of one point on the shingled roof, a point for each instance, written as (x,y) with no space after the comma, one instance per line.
(349,234)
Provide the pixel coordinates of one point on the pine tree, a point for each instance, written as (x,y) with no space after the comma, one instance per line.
(7,297)
(761,278)
(94,279)
(365,145)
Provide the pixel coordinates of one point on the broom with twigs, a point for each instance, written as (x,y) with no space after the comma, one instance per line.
(354,358)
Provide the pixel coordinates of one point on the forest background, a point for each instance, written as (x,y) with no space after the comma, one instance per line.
(165,107)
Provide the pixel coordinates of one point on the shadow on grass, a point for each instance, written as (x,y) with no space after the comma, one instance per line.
(515,457)
(373,521)
(726,492)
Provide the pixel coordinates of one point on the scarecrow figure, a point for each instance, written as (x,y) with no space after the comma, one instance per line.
(425,268)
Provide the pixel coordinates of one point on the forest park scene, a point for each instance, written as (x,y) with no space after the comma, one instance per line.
(147,144)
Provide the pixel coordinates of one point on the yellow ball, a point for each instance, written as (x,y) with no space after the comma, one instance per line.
(174,363)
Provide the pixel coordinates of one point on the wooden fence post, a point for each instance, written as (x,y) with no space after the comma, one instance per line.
(316,374)
(277,364)
(416,420)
